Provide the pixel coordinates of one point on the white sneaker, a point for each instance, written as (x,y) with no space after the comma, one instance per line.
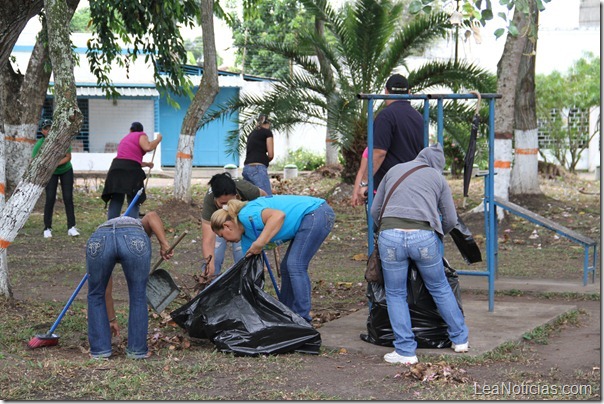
(73,232)
(393,357)
(47,233)
(460,348)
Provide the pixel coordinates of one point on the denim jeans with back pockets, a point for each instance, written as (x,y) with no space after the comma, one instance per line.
(423,247)
(295,282)
(131,247)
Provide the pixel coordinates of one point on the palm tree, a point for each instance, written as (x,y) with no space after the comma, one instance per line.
(363,43)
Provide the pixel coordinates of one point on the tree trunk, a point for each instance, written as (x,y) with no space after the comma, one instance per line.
(208,88)
(508,70)
(5,287)
(507,79)
(331,149)
(67,121)
(14,16)
(21,98)
(525,173)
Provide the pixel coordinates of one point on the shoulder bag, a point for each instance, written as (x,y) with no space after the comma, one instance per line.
(373,272)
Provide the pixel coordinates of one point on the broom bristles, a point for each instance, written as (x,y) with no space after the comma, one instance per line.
(43,341)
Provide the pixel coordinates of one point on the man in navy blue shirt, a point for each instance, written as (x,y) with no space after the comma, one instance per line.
(398,133)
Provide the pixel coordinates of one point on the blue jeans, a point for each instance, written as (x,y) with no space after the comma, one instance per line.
(295,282)
(115,206)
(220,250)
(258,175)
(423,247)
(131,247)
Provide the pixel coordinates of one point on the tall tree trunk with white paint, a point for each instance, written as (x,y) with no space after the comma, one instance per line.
(67,122)
(507,83)
(21,98)
(525,173)
(5,287)
(208,88)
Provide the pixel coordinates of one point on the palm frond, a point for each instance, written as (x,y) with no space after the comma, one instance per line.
(450,74)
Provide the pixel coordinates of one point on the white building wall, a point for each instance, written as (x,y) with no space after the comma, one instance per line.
(305,136)
(109,122)
(594,144)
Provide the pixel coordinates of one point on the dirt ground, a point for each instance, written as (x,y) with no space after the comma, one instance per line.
(45,272)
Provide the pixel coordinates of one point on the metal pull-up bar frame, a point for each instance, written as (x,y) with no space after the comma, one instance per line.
(489,196)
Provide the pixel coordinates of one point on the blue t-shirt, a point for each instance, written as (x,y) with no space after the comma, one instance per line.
(295,208)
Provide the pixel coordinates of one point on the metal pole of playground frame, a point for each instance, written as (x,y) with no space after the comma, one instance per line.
(489,198)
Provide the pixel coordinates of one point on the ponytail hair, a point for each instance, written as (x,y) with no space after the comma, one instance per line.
(226,214)
(261,120)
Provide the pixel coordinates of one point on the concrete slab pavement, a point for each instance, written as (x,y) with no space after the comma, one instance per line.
(488,330)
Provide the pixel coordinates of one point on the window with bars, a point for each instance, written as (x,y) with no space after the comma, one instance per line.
(576,120)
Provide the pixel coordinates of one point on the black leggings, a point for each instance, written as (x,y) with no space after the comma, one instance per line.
(51,196)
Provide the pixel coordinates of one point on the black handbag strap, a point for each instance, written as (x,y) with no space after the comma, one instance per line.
(396,184)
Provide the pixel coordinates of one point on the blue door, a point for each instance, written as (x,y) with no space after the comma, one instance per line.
(210,147)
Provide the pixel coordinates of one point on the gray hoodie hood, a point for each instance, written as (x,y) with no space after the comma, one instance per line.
(433,156)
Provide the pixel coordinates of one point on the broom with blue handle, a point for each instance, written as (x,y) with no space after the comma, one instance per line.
(50,338)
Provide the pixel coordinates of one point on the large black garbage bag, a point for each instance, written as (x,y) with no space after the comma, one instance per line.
(463,239)
(427,324)
(237,315)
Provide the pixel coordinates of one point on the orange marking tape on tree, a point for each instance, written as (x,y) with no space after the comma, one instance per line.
(526,151)
(181,155)
(502,164)
(4,243)
(20,139)
(2,188)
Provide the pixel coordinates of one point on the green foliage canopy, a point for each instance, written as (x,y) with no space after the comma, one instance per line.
(277,21)
(81,20)
(563,104)
(147,28)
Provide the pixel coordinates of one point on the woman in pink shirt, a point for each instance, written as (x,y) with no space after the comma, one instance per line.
(126,175)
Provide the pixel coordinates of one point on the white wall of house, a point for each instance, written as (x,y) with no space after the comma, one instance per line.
(110,121)
(302,136)
(594,144)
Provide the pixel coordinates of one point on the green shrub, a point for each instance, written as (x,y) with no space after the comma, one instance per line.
(303,159)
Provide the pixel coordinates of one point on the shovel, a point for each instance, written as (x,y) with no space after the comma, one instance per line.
(161,288)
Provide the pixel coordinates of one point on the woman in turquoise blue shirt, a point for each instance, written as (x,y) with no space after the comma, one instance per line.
(305,221)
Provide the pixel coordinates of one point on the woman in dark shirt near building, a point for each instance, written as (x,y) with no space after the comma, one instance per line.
(259,153)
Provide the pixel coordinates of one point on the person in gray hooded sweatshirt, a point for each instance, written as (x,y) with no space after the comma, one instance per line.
(412,229)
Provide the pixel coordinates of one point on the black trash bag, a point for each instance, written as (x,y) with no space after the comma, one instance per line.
(237,315)
(427,324)
(462,236)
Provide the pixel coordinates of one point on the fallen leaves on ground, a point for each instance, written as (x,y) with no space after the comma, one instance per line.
(427,372)
(360,257)
(174,342)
